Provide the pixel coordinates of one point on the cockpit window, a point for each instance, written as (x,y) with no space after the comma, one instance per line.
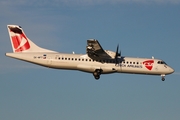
(161,62)
(164,63)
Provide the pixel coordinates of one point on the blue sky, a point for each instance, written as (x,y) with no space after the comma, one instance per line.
(142,28)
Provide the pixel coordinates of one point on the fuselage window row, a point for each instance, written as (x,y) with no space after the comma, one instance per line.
(103,61)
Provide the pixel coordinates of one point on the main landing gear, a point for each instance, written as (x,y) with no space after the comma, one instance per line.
(163,77)
(97,73)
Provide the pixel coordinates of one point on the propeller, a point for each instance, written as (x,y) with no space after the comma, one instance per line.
(118,54)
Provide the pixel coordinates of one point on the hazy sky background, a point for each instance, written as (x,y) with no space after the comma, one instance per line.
(142,28)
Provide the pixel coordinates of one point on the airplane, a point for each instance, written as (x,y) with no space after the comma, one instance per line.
(96,60)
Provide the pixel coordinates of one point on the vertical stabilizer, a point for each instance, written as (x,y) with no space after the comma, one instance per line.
(20,43)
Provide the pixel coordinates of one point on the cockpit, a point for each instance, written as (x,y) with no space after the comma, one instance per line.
(161,62)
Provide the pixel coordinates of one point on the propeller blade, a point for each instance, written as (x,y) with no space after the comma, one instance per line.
(117,52)
(120,53)
(117,49)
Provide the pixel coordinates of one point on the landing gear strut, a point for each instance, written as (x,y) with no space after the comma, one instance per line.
(163,77)
(97,73)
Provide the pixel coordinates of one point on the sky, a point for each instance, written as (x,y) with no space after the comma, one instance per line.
(142,28)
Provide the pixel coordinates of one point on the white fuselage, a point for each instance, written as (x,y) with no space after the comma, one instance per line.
(86,64)
(96,60)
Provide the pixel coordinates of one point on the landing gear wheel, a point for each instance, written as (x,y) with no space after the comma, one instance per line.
(97,77)
(163,79)
(97,74)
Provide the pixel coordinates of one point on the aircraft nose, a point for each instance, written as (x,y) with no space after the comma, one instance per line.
(171,70)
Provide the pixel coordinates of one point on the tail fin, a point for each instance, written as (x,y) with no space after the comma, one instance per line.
(20,43)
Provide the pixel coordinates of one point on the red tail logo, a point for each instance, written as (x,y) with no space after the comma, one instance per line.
(148,64)
(20,41)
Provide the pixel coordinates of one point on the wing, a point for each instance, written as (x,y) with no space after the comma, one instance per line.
(95,51)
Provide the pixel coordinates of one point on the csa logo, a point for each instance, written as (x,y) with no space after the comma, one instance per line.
(20,41)
(148,64)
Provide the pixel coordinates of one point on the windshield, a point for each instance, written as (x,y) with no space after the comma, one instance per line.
(161,62)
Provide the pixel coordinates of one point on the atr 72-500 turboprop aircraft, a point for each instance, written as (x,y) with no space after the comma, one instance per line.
(97,61)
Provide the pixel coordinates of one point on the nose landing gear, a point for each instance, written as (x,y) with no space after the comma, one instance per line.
(163,77)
